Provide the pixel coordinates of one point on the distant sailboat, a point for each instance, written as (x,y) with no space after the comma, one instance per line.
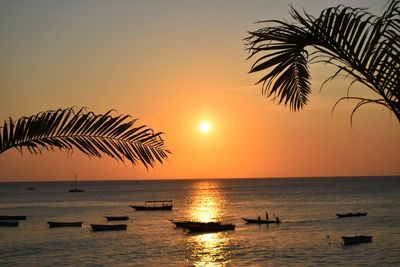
(76,189)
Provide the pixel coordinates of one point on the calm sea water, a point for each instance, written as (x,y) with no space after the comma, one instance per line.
(307,208)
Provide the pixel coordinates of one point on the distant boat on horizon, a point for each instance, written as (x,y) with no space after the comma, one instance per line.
(75,189)
(30,188)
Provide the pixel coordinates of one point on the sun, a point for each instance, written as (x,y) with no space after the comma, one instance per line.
(205,127)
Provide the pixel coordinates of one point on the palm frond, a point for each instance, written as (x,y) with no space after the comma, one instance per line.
(285,55)
(364,46)
(93,134)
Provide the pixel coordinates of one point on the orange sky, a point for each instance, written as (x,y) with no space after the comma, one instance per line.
(172,64)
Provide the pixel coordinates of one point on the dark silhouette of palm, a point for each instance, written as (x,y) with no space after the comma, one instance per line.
(92,134)
(362,46)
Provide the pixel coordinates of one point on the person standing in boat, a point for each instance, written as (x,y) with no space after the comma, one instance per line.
(266,215)
(259,218)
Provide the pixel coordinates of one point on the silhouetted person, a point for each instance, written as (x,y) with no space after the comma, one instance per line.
(277,220)
(259,218)
(266,215)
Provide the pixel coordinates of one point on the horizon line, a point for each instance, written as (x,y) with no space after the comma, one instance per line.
(209,178)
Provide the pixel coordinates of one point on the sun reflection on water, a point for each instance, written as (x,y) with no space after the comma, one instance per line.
(208,249)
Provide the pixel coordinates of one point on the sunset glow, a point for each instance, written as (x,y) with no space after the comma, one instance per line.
(191,82)
(205,127)
(207,206)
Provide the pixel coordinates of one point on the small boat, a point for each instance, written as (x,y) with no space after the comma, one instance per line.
(64,224)
(154,205)
(209,227)
(75,189)
(116,218)
(108,227)
(30,188)
(257,221)
(184,224)
(358,239)
(12,218)
(9,224)
(345,215)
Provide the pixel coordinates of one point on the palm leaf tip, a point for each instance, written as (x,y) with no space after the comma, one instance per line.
(93,134)
(360,45)
(285,61)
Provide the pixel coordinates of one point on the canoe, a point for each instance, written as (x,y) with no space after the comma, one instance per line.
(184,224)
(207,227)
(108,227)
(345,215)
(256,221)
(64,224)
(9,224)
(358,239)
(154,205)
(116,218)
(12,218)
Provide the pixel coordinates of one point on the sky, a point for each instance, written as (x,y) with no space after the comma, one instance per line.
(173,64)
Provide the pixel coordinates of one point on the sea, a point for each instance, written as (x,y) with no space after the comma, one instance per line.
(309,235)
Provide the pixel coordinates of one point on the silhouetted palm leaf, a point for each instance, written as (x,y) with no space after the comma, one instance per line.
(93,134)
(361,45)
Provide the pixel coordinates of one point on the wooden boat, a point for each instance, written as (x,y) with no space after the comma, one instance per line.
(184,224)
(358,239)
(12,218)
(30,188)
(108,227)
(154,205)
(345,215)
(9,224)
(257,221)
(209,227)
(64,224)
(75,189)
(116,218)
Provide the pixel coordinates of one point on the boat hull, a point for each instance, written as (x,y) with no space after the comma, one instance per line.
(76,190)
(9,224)
(116,218)
(185,224)
(108,227)
(256,221)
(196,228)
(154,205)
(346,215)
(64,224)
(12,218)
(149,208)
(353,240)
